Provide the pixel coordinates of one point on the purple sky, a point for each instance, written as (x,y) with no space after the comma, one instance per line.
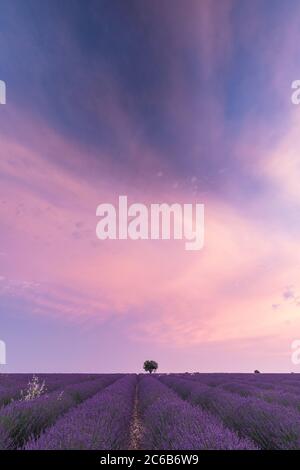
(163,102)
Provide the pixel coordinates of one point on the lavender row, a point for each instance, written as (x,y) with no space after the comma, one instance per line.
(22,419)
(289,382)
(11,386)
(102,422)
(280,393)
(11,380)
(171,423)
(270,426)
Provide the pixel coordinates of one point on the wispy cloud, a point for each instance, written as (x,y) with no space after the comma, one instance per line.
(186,106)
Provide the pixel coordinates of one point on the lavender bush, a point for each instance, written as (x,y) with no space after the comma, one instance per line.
(22,419)
(12,385)
(171,411)
(171,423)
(271,426)
(102,422)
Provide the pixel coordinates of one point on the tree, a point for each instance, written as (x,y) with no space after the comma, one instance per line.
(256,372)
(150,366)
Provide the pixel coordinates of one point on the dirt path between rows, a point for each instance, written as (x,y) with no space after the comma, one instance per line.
(136,429)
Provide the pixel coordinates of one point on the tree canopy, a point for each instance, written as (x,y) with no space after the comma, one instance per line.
(150,366)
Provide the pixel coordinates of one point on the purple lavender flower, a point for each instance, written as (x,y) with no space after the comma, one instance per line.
(171,423)
(271,426)
(22,419)
(102,422)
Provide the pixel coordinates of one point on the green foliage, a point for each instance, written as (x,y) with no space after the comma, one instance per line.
(150,366)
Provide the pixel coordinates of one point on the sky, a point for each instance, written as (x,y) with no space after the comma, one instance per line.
(162,101)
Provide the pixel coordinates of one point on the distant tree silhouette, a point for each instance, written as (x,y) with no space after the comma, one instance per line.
(150,366)
(256,371)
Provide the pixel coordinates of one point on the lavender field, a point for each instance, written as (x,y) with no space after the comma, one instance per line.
(150,412)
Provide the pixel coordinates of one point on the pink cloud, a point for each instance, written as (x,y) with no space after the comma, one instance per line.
(222,293)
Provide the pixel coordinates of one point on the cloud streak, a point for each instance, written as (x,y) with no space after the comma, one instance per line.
(162,105)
